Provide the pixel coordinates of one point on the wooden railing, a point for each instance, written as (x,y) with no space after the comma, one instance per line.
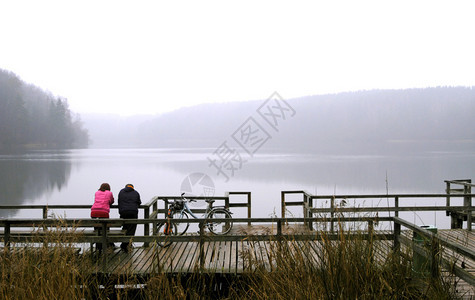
(151,210)
(153,215)
(10,236)
(310,204)
(229,201)
(463,186)
(433,253)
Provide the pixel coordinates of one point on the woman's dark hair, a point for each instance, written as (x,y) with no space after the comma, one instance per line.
(105,187)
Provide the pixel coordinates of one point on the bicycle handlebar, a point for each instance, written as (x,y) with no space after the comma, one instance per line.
(186,199)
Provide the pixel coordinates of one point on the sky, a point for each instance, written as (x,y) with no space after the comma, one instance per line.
(151,57)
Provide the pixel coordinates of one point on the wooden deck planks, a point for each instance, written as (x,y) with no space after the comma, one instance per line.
(176,256)
(192,260)
(243,256)
(186,252)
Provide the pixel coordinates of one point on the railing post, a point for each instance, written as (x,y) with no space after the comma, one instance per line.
(447,200)
(279,235)
(155,206)
(370,227)
(434,257)
(279,240)
(332,212)
(249,207)
(226,202)
(397,236)
(6,238)
(310,212)
(370,239)
(468,204)
(104,246)
(45,216)
(396,204)
(202,255)
(165,201)
(282,204)
(146,226)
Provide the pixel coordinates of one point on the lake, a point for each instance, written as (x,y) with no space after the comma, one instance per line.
(72,176)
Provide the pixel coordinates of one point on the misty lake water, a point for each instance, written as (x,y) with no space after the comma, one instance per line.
(72,176)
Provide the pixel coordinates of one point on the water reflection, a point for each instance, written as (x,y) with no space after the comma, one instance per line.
(25,177)
(328,174)
(72,177)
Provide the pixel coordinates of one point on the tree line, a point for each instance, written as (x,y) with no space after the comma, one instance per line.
(354,121)
(32,117)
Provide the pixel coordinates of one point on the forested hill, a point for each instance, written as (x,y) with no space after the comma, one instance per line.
(32,117)
(376,121)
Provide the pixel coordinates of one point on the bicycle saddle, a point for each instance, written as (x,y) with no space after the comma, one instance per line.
(210,200)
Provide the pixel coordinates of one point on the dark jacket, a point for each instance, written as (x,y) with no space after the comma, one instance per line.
(129,200)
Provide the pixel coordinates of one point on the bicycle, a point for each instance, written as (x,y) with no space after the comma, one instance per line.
(180,210)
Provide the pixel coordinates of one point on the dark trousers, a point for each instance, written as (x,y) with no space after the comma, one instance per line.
(129,228)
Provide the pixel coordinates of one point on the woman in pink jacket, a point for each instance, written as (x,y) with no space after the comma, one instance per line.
(103,200)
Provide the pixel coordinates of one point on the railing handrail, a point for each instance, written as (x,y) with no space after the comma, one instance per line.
(58,206)
(392,209)
(92,222)
(390,196)
(465,182)
(459,212)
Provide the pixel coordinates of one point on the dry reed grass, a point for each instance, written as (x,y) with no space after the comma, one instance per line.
(345,268)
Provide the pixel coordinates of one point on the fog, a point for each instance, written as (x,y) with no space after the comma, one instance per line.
(396,141)
(364,122)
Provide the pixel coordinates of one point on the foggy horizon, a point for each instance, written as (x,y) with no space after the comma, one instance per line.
(355,118)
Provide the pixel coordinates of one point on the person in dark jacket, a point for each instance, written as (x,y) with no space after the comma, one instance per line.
(129,201)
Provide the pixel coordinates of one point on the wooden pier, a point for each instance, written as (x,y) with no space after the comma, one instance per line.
(253,240)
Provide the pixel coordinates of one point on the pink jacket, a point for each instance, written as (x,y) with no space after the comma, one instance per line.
(102,201)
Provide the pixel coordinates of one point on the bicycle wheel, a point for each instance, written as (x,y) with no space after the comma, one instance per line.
(164,229)
(181,227)
(219,227)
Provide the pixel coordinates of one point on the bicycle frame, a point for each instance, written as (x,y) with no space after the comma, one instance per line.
(187,209)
